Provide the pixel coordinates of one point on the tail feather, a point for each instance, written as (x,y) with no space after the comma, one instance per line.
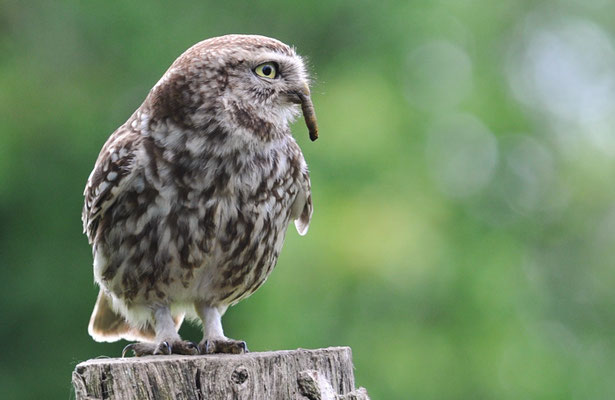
(107,325)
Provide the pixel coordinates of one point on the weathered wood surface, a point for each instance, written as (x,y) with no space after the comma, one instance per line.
(323,374)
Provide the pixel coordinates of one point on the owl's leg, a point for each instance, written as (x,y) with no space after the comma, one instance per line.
(214,340)
(167,339)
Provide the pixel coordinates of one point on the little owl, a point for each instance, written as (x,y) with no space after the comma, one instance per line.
(189,200)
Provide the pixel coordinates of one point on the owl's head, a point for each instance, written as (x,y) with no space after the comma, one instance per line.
(245,84)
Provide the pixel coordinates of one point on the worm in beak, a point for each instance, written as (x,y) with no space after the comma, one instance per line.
(309,115)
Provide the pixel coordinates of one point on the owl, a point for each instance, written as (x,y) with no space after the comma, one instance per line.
(188,204)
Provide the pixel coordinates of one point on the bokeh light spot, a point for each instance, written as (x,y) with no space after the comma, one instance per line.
(563,68)
(439,75)
(462,155)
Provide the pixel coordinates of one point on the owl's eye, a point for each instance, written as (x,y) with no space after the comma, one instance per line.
(267,70)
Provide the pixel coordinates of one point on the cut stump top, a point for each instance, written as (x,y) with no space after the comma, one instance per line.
(287,374)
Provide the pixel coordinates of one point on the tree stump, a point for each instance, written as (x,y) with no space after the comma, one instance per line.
(322,374)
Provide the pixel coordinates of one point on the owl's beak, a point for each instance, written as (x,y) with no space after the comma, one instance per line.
(302,97)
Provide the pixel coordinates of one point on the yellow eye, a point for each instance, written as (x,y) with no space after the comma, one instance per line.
(267,70)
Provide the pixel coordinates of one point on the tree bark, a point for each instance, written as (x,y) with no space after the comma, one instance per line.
(322,374)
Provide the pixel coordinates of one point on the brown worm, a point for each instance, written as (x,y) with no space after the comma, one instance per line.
(309,115)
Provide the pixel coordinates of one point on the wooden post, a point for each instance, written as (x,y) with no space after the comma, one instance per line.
(322,374)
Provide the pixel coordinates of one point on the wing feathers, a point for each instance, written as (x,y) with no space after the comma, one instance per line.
(112,170)
(302,208)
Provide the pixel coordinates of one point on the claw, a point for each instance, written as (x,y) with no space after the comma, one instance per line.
(207,349)
(194,346)
(244,347)
(163,348)
(127,349)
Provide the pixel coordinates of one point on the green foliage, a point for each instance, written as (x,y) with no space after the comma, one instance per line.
(462,241)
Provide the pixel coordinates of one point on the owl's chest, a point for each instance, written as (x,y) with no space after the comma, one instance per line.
(219,203)
(230,223)
(249,182)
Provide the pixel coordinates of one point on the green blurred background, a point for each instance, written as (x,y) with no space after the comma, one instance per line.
(463,234)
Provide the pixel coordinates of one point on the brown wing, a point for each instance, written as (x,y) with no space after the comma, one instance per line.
(113,169)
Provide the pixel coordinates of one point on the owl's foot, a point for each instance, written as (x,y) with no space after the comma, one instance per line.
(162,348)
(227,346)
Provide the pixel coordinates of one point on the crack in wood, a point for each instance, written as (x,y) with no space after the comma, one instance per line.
(104,392)
(197,383)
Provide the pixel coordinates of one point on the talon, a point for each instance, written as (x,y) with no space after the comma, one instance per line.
(208,347)
(238,347)
(194,347)
(185,347)
(128,348)
(163,348)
